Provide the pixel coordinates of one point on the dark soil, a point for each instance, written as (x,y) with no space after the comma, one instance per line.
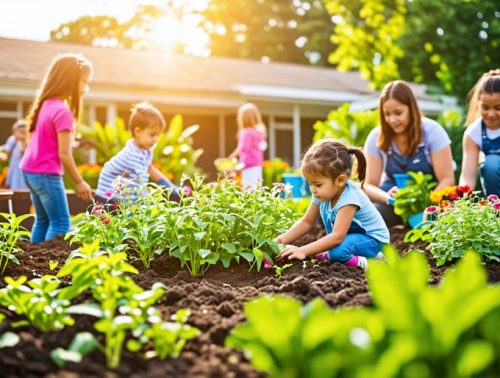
(215,301)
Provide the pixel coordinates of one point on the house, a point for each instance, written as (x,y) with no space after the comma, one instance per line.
(205,91)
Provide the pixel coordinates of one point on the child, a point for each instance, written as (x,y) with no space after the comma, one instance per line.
(51,122)
(483,134)
(134,161)
(355,229)
(404,141)
(14,149)
(251,143)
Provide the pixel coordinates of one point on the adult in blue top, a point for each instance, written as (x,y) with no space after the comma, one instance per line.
(404,141)
(483,135)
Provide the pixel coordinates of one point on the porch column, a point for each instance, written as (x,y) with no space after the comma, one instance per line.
(272,137)
(222,135)
(111,113)
(296,136)
(19,110)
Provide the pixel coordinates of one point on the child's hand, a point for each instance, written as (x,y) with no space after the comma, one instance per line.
(84,191)
(392,192)
(292,252)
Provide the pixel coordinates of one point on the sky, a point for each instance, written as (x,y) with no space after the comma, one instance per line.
(34,19)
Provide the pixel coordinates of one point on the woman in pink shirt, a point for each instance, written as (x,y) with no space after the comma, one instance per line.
(51,122)
(251,143)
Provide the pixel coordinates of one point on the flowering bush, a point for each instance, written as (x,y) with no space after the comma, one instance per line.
(470,223)
(445,196)
(273,171)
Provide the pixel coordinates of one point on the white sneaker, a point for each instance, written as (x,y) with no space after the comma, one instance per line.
(362,263)
(379,256)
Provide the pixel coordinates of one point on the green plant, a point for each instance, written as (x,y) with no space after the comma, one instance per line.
(272,171)
(470,224)
(223,222)
(278,270)
(407,333)
(174,151)
(453,122)
(39,302)
(126,312)
(11,232)
(415,197)
(350,127)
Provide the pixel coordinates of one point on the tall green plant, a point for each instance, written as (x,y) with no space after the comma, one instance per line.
(174,151)
(350,127)
(413,330)
(415,197)
(11,232)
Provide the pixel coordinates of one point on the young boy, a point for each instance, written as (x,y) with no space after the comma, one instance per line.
(134,161)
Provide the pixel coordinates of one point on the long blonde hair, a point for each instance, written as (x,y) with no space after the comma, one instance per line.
(249,116)
(489,83)
(401,92)
(61,80)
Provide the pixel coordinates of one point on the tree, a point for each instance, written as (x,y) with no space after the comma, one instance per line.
(287,31)
(295,31)
(447,44)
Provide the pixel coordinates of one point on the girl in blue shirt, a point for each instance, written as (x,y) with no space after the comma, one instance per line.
(354,228)
(483,135)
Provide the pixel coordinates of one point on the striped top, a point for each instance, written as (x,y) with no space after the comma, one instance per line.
(132,163)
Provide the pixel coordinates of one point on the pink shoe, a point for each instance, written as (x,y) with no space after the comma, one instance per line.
(267,263)
(322,256)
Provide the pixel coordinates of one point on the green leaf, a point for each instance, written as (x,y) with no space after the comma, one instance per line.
(8,339)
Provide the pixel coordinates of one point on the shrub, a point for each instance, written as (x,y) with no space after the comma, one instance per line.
(408,332)
(469,223)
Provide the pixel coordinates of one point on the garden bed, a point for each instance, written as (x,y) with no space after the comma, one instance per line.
(215,301)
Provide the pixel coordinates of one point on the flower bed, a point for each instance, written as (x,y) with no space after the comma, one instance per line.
(215,300)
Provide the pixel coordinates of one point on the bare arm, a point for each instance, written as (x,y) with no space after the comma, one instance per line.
(469,163)
(342,224)
(374,170)
(301,227)
(442,163)
(83,189)
(155,173)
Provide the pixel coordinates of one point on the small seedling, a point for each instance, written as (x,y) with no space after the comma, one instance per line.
(278,270)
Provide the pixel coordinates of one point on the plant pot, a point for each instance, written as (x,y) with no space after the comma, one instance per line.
(401,179)
(415,220)
(297,184)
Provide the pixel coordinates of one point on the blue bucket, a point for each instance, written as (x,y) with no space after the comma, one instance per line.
(415,220)
(401,179)
(297,184)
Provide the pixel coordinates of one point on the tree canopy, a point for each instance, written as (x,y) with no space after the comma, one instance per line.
(446,44)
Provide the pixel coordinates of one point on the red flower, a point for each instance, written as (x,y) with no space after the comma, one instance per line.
(496,206)
(106,221)
(483,202)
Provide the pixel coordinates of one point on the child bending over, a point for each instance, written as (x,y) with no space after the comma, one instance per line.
(134,161)
(355,229)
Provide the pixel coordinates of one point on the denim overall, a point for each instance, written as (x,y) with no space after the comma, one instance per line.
(397,163)
(490,169)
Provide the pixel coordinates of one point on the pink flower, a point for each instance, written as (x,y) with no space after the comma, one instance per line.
(431,209)
(496,206)
(187,190)
(493,197)
(108,193)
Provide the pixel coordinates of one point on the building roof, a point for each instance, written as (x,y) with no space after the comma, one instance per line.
(25,62)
